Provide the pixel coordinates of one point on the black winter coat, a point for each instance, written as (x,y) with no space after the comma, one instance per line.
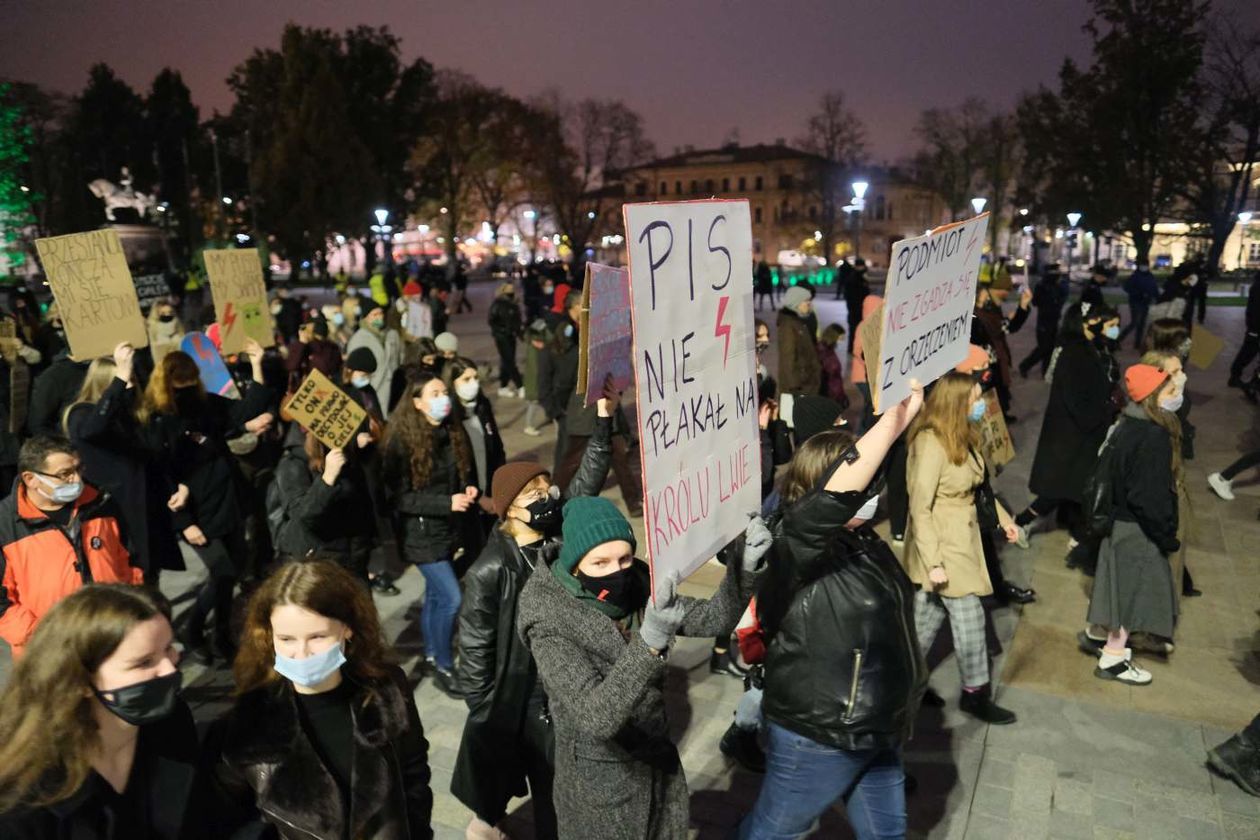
(426,523)
(1077,416)
(170,792)
(558,370)
(52,393)
(505,319)
(844,667)
(266,770)
(116,457)
(1143,488)
(496,670)
(322,519)
(194,448)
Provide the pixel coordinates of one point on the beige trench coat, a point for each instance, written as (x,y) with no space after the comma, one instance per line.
(942,529)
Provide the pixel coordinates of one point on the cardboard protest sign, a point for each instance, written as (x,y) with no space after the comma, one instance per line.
(325,410)
(995,437)
(695,376)
(606,336)
(88,275)
(150,288)
(1205,346)
(240,297)
(929,296)
(214,373)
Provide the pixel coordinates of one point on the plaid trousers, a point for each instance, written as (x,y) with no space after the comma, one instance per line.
(966,622)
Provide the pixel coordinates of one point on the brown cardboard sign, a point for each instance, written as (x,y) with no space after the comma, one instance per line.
(95,295)
(325,411)
(1205,346)
(995,437)
(240,298)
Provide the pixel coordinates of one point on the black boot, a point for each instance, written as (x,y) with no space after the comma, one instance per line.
(1238,759)
(1009,593)
(723,662)
(447,683)
(932,699)
(979,704)
(740,745)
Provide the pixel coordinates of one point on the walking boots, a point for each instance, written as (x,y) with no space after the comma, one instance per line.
(979,704)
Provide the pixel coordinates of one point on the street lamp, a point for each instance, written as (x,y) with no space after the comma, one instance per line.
(858,205)
(1074,219)
(532,215)
(382,215)
(977,204)
(382,232)
(1243,219)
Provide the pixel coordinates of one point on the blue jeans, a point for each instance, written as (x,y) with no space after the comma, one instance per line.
(441,606)
(804,778)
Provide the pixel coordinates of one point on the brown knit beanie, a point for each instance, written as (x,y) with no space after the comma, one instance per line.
(509,480)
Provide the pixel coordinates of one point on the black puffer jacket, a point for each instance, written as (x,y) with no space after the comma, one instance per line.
(843,667)
(321,519)
(427,524)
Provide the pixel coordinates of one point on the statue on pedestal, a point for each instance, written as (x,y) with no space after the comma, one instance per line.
(121,195)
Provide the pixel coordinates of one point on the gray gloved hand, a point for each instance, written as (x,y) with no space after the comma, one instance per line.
(663,617)
(757,542)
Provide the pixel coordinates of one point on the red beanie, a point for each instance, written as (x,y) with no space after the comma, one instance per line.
(1140,381)
(412,288)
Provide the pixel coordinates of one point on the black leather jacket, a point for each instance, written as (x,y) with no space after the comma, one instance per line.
(843,667)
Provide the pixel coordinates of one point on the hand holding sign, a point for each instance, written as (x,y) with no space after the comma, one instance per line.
(240,297)
(325,411)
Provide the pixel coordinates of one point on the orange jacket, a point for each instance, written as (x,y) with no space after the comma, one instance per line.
(41,562)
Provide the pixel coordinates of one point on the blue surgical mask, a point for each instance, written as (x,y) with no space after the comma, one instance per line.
(312,670)
(1112,332)
(439,408)
(977,411)
(63,494)
(339,318)
(360,381)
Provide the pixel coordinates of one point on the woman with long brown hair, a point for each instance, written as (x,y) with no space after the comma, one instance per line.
(94,739)
(429,477)
(1141,476)
(324,739)
(944,554)
(189,429)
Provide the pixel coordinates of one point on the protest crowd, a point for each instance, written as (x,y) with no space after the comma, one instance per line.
(310,463)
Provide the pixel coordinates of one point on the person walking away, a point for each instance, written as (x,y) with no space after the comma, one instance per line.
(844,674)
(385,345)
(507,329)
(460,283)
(989,328)
(1251,337)
(764,280)
(944,555)
(1133,588)
(189,429)
(115,457)
(557,375)
(856,289)
(600,640)
(323,739)
(857,371)
(1092,292)
(428,471)
(1048,300)
(800,371)
(832,369)
(1142,290)
(531,386)
(95,742)
(507,738)
(57,534)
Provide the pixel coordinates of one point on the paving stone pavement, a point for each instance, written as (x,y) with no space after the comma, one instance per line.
(1070,768)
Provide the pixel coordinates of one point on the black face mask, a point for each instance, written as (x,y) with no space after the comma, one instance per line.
(145,702)
(546,514)
(762,346)
(623,589)
(166,319)
(187,399)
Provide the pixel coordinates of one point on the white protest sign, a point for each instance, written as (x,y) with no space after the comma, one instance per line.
(929,296)
(691,294)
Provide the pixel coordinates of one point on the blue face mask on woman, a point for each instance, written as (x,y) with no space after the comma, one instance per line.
(976,414)
(1112,332)
(312,670)
(439,408)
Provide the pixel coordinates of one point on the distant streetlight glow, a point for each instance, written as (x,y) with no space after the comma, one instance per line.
(227,200)
(443,211)
(590,214)
(1023,211)
(859,189)
(530,214)
(1074,219)
(1245,216)
(381,215)
(978,203)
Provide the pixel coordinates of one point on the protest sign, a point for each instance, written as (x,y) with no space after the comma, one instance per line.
(1205,346)
(995,437)
(929,295)
(214,373)
(240,297)
(325,411)
(695,376)
(96,299)
(606,335)
(150,288)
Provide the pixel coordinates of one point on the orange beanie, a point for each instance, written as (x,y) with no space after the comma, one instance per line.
(1140,381)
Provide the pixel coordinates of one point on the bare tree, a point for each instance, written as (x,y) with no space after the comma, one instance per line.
(835,134)
(950,162)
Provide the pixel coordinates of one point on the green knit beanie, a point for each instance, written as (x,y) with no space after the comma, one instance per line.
(589,521)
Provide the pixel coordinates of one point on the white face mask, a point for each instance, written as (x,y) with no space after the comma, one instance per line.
(468,391)
(867,511)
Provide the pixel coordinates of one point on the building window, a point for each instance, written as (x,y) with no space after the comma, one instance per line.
(757,184)
(890,218)
(757,216)
(1253,252)
(776,212)
(726,185)
(664,186)
(695,186)
(678,188)
(785,182)
(742,184)
(879,208)
(708,186)
(640,188)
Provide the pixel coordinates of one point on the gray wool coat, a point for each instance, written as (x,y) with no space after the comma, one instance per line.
(618,776)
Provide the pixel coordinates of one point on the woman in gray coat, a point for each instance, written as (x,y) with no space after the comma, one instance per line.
(600,647)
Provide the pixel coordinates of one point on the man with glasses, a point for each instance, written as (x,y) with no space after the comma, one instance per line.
(56,534)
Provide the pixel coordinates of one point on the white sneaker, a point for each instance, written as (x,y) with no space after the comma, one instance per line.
(531,431)
(1072,543)
(1121,670)
(1221,486)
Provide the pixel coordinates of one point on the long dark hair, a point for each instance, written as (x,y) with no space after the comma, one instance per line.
(411,434)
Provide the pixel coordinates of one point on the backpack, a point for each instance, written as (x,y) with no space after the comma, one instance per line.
(1099,495)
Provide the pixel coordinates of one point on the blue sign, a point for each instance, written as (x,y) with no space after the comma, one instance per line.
(214,373)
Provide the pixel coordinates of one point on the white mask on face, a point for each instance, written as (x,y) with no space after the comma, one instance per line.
(468,391)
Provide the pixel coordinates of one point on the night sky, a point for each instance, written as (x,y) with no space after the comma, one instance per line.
(694,69)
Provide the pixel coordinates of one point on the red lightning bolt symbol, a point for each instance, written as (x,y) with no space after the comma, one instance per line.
(229,318)
(721,330)
(202,349)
